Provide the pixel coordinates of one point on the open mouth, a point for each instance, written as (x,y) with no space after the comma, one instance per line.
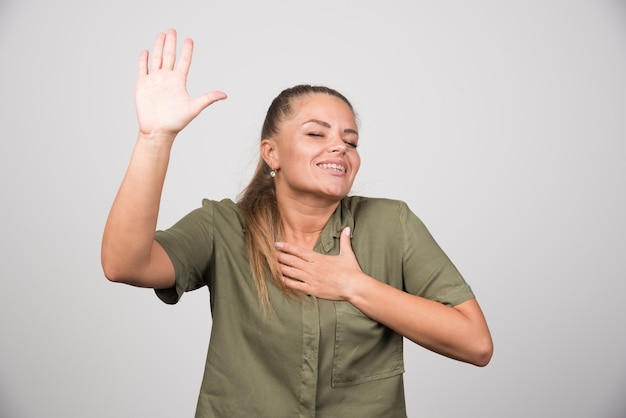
(333,167)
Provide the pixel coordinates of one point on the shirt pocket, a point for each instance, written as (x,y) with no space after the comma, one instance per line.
(365,350)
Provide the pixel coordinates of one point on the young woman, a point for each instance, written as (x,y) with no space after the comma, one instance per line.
(311,290)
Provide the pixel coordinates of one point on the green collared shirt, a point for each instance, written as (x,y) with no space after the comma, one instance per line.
(311,357)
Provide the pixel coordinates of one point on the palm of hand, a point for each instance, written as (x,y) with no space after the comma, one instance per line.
(163,103)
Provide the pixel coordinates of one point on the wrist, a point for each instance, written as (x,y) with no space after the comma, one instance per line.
(157,138)
(355,291)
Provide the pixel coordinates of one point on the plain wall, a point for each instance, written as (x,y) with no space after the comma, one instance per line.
(501,124)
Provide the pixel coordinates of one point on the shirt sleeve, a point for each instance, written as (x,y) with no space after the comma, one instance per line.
(427,270)
(189,244)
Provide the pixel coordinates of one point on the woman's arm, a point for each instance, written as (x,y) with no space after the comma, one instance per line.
(129,252)
(459,332)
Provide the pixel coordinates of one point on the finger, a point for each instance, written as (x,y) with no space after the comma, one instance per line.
(292,249)
(345,246)
(200,103)
(142,68)
(184,63)
(290,272)
(295,284)
(288,260)
(157,51)
(169,50)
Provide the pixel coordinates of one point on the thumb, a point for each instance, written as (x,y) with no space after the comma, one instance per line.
(345,246)
(200,103)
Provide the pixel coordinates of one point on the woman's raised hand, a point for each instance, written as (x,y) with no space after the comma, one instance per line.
(162,101)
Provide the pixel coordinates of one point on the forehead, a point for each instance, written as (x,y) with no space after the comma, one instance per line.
(321,106)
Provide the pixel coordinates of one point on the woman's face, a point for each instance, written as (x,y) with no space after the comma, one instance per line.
(314,153)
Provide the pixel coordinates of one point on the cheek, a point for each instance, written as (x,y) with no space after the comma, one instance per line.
(356,163)
(289,155)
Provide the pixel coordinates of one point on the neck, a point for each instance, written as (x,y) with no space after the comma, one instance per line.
(303,222)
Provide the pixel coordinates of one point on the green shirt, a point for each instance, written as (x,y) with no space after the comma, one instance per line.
(312,357)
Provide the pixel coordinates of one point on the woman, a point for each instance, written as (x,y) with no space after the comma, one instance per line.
(312,291)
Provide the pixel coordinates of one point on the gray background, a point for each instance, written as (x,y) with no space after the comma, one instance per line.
(501,123)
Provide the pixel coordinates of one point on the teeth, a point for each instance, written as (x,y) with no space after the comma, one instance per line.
(334,167)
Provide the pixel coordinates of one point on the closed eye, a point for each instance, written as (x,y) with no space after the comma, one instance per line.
(320,135)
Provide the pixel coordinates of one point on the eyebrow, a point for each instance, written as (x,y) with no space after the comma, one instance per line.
(327,125)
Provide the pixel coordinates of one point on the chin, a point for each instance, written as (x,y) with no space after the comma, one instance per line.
(336,194)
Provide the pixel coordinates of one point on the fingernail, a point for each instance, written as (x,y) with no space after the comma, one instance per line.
(347,231)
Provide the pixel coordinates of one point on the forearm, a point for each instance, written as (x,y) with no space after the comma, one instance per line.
(458,332)
(129,231)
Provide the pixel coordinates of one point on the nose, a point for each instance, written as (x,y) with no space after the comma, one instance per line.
(338,146)
(339,149)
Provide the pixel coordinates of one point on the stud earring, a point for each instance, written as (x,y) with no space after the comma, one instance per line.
(272,173)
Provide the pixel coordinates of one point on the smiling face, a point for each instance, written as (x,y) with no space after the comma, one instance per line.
(314,151)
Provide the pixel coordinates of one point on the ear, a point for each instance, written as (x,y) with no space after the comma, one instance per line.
(269,153)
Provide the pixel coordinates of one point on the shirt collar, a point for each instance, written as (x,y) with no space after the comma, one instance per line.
(341,218)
